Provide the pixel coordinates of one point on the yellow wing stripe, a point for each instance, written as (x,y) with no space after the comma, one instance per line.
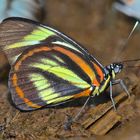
(83,65)
(46,93)
(63,73)
(33,38)
(60,99)
(21,44)
(39,84)
(48,62)
(39,34)
(58,59)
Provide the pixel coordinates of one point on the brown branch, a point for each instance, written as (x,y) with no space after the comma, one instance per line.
(103,117)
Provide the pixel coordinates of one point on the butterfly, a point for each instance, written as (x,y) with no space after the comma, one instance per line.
(49,68)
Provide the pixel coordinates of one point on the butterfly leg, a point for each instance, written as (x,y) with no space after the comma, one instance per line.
(122,84)
(71,120)
(111,96)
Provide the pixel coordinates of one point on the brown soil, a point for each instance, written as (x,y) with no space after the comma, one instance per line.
(102,32)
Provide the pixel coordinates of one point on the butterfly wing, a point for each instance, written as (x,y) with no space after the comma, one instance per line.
(40,79)
(48,75)
(18,34)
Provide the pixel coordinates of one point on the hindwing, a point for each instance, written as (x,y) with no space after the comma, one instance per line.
(47,75)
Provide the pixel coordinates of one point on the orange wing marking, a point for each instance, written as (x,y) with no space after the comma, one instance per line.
(99,71)
(15,78)
(83,65)
(84,93)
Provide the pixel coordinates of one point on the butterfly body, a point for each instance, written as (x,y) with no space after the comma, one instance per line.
(49,68)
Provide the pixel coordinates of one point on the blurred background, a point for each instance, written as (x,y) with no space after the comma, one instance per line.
(100,26)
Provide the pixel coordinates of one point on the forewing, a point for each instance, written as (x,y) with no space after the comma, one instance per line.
(46,76)
(19,34)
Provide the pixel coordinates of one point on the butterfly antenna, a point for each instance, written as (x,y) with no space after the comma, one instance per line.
(128,63)
(129,36)
(131,60)
(132,67)
(121,50)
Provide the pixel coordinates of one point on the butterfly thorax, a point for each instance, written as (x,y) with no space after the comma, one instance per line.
(109,75)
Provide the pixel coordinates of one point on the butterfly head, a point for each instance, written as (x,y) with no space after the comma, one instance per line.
(114,68)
